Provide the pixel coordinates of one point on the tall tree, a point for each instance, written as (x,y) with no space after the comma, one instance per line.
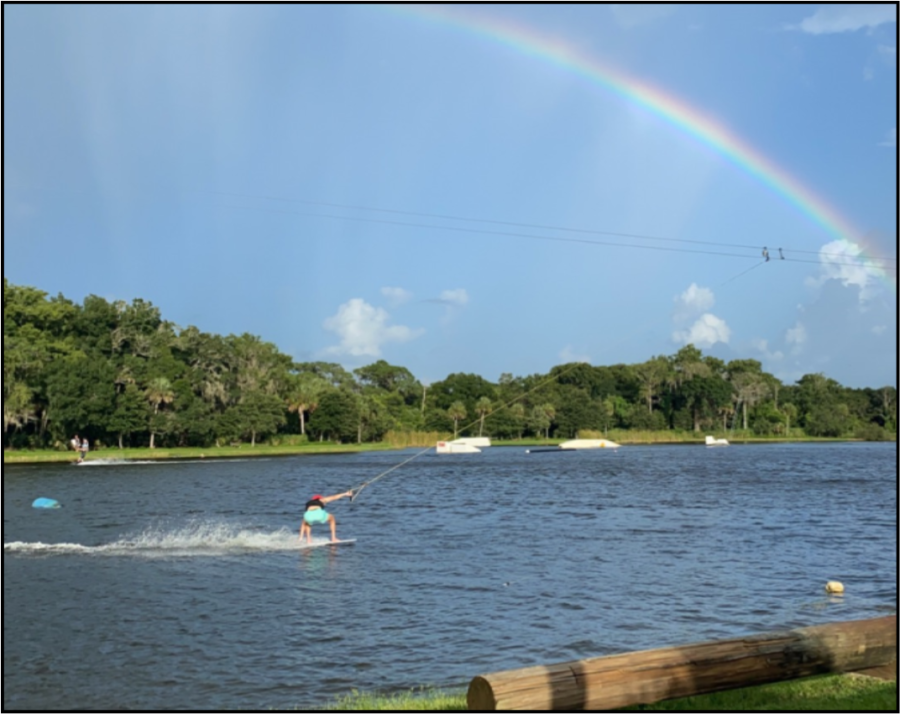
(158,392)
(385,376)
(304,392)
(18,407)
(652,375)
(337,417)
(456,411)
(482,408)
(130,415)
(259,414)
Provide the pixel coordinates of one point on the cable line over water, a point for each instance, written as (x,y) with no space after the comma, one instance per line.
(850,261)
(543,383)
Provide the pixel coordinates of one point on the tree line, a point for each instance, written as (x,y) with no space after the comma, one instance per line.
(120,375)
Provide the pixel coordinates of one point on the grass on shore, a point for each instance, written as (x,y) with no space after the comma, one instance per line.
(295,445)
(33,456)
(848,692)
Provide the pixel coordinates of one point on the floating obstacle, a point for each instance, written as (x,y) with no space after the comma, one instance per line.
(45,503)
(577,445)
(464,445)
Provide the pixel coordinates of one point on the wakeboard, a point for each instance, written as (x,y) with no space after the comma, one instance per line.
(318,544)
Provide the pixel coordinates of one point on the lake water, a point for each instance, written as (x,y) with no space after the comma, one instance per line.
(179,585)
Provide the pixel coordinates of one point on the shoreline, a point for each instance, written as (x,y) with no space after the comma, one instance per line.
(49,456)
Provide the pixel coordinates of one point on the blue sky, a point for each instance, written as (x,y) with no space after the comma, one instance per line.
(302,173)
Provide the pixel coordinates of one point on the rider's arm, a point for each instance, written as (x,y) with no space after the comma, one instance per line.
(329,499)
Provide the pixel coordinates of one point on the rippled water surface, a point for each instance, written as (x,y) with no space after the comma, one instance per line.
(181,586)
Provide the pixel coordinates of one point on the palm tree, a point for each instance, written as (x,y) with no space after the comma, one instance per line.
(304,395)
(483,407)
(158,392)
(456,411)
(790,412)
(725,411)
(518,413)
(550,411)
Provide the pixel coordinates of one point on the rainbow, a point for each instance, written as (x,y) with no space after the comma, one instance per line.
(673,110)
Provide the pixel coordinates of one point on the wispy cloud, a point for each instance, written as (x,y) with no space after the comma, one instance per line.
(830,19)
(396,296)
(796,337)
(453,300)
(891,139)
(762,346)
(363,330)
(629,15)
(457,297)
(567,354)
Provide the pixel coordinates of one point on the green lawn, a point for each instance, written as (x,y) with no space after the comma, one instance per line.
(291,445)
(846,693)
(29,456)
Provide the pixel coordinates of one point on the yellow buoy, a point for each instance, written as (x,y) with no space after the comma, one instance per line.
(834,587)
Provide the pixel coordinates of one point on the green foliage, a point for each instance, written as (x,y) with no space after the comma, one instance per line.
(465,388)
(258,414)
(826,420)
(120,373)
(337,418)
(457,412)
(767,419)
(417,700)
(406,439)
(577,411)
(873,432)
(289,440)
(637,418)
(130,415)
(80,396)
(848,693)
(389,378)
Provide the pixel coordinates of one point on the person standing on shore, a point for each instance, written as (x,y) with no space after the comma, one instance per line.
(315,513)
(76,447)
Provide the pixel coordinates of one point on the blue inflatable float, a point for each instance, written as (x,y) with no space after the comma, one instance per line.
(45,503)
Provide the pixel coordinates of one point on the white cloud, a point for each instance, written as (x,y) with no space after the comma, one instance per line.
(567,355)
(453,300)
(396,296)
(843,261)
(693,301)
(846,18)
(455,297)
(705,332)
(363,329)
(630,15)
(879,329)
(796,337)
(891,139)
(762,346)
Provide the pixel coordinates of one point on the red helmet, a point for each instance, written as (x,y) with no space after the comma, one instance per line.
(317,497)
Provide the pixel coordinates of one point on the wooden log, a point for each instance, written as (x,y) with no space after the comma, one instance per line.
(668,673)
